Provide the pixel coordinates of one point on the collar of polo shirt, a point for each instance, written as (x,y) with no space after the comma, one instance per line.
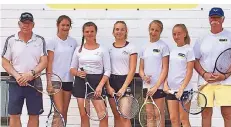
(33,38)
(57,37)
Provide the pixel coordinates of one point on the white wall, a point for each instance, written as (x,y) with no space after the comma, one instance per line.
(196,19)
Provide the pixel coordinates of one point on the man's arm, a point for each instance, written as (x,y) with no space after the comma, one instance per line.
(199,68)
(42,65)
(206,75)
(9,68)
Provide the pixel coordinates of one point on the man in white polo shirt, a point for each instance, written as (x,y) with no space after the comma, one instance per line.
(24,55)
(207,49)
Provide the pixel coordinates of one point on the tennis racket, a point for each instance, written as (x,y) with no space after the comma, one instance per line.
(222,64)
(149,114)
(194,102)
(45,83)
(54,118)
(95,106)
(127,105)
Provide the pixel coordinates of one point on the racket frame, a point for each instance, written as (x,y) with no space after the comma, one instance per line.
(117,107)
(215,69)
(148,102)
(190,92)
(55,110)
(37,76)
(85,99)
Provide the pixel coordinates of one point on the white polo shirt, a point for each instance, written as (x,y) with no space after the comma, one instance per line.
(95,61)
(63,52)
(152,54)
(120,57)
(24,56)
(178,60)
(208,48)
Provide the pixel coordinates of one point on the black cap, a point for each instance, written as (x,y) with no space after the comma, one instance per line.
(26,16)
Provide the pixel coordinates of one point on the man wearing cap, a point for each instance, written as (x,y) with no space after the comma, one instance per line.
(24,55)
(207,48)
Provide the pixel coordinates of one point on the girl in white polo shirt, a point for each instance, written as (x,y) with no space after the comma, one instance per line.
(95,61)
(181,65)
(123,64)
(60,50)
(154,67)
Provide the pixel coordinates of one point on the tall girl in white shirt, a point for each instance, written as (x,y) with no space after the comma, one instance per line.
(154,67)
(181,65)
(123,64)
(60,50)
(95,61)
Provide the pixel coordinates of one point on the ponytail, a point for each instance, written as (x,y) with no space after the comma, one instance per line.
(80,49)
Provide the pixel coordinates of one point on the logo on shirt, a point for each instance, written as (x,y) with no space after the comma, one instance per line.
(181,55)
(156,50)
(125,53)
(97,53)
(223,40)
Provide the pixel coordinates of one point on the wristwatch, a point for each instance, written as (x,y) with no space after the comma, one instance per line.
(33,72)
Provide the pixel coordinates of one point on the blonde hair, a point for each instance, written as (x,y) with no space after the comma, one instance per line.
(122,22)
(159,23)
(187,37)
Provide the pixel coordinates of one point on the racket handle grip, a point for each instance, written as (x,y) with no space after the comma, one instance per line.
(81,69)
(85,77)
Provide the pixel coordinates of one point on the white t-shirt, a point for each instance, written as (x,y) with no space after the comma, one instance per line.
(178,59)
(152,54)
(63,52)
(208,48)
(120,58)
(95,61)
(24,56)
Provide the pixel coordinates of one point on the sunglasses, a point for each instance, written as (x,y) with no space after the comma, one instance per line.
(26,16)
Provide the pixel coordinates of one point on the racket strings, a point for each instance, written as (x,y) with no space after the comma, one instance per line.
(55,120)
(223,62)
(149,115)
(95,107)
(48,83)
(128,106)
(194,103)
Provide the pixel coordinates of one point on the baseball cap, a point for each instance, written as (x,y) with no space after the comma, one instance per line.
(216,11)
(26,16)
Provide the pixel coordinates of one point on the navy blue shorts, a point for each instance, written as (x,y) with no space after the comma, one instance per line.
(173,97)
(17,94)
(158,94)
(79,87)
(67,86)
(116,82)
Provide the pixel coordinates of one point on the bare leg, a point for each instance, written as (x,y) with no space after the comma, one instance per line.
(15,121)
(173,107)
(207,117)
(160,103)
(66,102)
(226,113)
(33,121)
(184,116)
(84,118)
(117,122)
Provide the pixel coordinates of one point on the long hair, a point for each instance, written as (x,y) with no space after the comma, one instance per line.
(61,18)
(159,23)
(122,22)
(87,24)
(187,37)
